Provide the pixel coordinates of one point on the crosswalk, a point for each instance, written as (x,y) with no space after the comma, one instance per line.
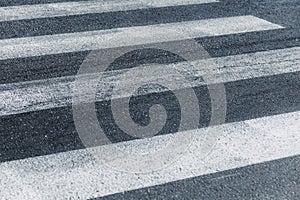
(84,7)
(243,143)
(42,152)
(113,38)
(57,92)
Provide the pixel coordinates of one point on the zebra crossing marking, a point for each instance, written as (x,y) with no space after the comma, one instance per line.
(76,174)
(86,7)
(130,36)
(57,92)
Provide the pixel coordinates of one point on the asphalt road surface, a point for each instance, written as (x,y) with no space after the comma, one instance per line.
(149,99)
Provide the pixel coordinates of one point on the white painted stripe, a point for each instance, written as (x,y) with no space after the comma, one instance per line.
(130,36)
(77,175)
(85,7)
(50,93)
(45,94)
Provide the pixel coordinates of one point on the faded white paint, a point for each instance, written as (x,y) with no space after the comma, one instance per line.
(57,92)
(129,36)
(78,175)
(86,7)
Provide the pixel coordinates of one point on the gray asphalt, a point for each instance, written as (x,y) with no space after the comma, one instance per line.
(52,131)
(275,180)
(30,2)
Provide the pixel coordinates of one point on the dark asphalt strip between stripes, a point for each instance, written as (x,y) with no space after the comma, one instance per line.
(100,21)
(283,15)
(52,131)
(274,180)
(52,66)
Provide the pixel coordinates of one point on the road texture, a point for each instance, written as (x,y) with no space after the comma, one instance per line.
(240,60)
